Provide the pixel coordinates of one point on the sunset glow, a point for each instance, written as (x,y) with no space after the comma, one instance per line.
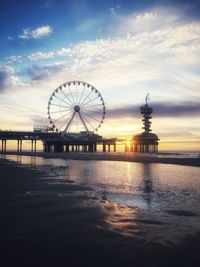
(123,48)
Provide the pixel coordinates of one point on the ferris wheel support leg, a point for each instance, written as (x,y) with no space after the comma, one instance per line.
(85,126)
(69,123)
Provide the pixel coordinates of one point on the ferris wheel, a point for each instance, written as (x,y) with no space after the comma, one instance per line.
(76,107)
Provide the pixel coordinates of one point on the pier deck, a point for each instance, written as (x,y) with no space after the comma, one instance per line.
(56,142)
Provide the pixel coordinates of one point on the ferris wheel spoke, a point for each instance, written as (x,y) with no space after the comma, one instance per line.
(62,117)
(95,114)
(69,122)
(62,100)
(63,110)
(67,97)
(97,105)
(81,95)
(59,105)
(88,122)
(91,116)
(90,101)
(66,121)
(74,102)
(86,97)
(76,94)
(92,110)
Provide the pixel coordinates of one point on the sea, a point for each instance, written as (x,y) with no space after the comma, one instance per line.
(167,193)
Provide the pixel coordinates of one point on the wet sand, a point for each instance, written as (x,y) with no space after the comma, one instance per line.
(129,157)
(44,222)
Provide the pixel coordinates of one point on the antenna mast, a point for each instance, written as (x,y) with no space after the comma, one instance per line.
(147,98)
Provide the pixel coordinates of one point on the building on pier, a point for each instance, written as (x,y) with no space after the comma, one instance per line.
(146,142)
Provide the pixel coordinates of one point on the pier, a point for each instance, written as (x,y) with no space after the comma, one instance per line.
(56,142)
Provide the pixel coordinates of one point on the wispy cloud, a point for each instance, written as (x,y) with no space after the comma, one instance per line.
(39,120)
(114,10)
(157,18)
(8,78)
(158,47)
(49,55)
(15,59)
(37,33)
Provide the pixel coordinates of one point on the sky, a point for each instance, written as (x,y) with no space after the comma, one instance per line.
(123,48)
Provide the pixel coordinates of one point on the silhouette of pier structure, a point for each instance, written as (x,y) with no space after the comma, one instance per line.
(56,142)
(74,102)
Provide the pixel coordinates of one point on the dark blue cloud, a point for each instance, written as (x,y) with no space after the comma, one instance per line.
(37,72)
(5,77)
(182,109)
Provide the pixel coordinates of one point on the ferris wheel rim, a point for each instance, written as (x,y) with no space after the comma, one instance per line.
(80,107)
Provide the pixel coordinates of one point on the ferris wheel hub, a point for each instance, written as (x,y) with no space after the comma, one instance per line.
(76,108)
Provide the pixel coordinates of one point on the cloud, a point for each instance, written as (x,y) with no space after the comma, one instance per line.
(157,18)
(157,49)
(37,33)
(155,40)
(89,25)
(15,59)
(8,77)
(182,109)
(37,72)
(113,10)
(177,134)
(49,55)
(39,120)
(41,56)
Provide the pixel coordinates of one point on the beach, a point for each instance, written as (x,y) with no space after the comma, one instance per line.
(48,221)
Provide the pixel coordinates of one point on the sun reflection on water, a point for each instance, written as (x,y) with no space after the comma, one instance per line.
(122,219)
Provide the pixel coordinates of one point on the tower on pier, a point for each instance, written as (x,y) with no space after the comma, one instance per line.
(146,142)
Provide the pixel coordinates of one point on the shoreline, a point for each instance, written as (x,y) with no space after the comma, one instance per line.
(111,157)
(44,223)
(49,222)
